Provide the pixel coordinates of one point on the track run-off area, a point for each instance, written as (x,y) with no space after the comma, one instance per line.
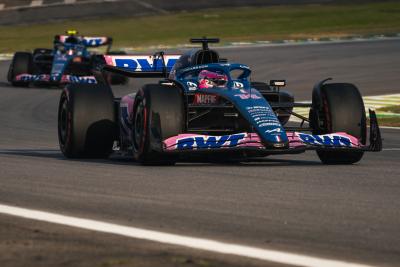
(278,211)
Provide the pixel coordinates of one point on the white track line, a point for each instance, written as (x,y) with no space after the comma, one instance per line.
(389,127)
(60,3)
(36,3)
(179,240)
(150,6)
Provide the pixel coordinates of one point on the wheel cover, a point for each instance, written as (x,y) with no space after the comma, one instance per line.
(63,122)
(139,130)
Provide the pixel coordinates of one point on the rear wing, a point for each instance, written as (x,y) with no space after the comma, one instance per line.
(158,65)
(87,40)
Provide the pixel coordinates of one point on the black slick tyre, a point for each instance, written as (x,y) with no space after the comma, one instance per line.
(22,63)
(341,109)
(158,115)
(86,121)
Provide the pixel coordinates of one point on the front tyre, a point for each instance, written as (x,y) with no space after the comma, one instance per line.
(339,107)
(22,63)
(86,121)
(158,115)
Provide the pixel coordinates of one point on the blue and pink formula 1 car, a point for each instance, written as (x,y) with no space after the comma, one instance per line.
(205,107)
(70,61)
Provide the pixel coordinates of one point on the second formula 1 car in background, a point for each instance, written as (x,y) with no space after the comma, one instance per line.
(205,106)
(70,61)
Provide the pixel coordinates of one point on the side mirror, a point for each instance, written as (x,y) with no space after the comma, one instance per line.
(277,83)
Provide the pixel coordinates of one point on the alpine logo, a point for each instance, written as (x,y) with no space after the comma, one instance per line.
(238,85)
(192,86)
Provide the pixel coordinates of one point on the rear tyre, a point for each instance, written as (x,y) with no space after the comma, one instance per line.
(86,121)
(22,63)
(339,108)
(158,115)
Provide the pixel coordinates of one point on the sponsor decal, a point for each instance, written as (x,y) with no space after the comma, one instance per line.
(32,78)
(48,78)
(238,85)
(60,56)
(94,41)
(78,79)
(325,140)
(253,140)
(274,131)
(248,96)
(263,116)
(88,41)
(209,142)
(142,63)
(197,67)
(205,99)
(57,68)
(266,123)
(191,86)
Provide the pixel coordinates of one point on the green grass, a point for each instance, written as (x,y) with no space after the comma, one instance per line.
(391,109)
(387,119)
(236,24)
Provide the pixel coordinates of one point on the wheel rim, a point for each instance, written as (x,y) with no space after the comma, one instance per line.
(139,129)
(138,126)
(63,122)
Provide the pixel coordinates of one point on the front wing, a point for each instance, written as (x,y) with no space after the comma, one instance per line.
(298,142)
(252,141)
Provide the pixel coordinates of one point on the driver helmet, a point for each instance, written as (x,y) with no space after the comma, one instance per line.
(72,37)
(211,79)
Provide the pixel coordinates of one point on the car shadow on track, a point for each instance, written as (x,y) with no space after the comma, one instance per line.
(41,153)
(57,155)
(126,160)
(41,87)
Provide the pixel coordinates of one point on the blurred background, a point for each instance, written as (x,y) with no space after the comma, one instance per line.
(26,24)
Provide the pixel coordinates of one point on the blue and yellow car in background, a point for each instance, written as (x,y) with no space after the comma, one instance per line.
(70,61)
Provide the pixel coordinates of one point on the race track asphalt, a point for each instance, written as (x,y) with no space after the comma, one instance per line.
(289,203)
